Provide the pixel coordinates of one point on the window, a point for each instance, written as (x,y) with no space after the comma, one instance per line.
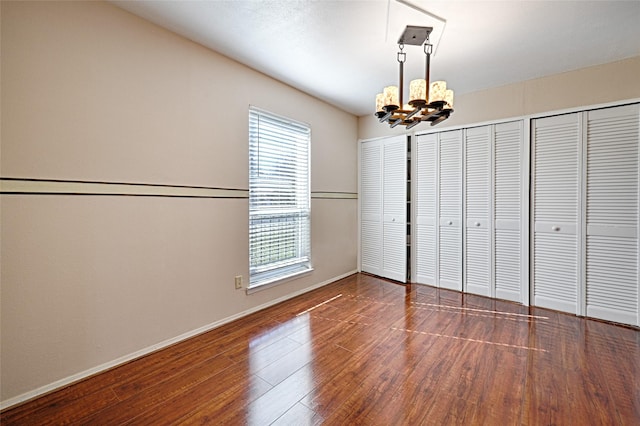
(279,202)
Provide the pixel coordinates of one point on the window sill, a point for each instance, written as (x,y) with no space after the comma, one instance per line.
(277,281)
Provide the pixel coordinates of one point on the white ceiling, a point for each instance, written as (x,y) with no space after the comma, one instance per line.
(344,51)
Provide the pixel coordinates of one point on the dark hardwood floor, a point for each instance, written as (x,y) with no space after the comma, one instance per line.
(368,351)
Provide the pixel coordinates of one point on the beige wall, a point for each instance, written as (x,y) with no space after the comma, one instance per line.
(596,85)
(93,93)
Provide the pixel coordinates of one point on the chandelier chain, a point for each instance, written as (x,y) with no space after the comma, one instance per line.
(402,57)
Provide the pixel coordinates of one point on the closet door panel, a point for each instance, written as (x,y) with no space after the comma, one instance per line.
(450,203)
(371,207)
(395,252)
(394,207)
(425,202)
(508,270)
(612,214)
(556,269)
(556,212)
(508,142)
(478,182)
(425,252)
(477,264)
(371,252)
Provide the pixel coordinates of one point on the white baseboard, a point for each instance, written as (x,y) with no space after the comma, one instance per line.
(146,351)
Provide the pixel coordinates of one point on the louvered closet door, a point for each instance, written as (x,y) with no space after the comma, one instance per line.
(612,214)
(556,212)
(450,210)
(508,143)
(425,159)
(478,229)
(394,206)
(371,207)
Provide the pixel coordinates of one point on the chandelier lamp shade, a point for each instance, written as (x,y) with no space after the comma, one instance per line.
(428,101)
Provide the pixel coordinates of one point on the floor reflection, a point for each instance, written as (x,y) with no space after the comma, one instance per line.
(283,358)
(391,354)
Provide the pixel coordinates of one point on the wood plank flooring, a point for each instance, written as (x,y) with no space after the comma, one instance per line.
(368,351)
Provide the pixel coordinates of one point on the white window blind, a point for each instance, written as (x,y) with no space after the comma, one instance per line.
(279,200)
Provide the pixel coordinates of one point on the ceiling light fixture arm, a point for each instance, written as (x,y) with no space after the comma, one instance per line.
(428,48)
(402,57)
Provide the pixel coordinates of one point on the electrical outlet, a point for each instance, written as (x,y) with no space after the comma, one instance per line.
(238,282)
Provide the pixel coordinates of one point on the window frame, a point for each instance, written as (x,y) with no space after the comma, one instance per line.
(287,212)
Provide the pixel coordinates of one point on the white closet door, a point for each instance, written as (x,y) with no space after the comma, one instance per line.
(612,214)
(425,160)
(394,207)
(508,142)
(556,212)
(371,241)
(450,203)
(478,227)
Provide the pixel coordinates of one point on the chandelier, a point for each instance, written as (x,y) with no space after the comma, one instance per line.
(427,101)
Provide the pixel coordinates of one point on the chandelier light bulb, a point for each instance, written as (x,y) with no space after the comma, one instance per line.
(379,102)
(437,91)
(418,90)
(448,98)
(391,97)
